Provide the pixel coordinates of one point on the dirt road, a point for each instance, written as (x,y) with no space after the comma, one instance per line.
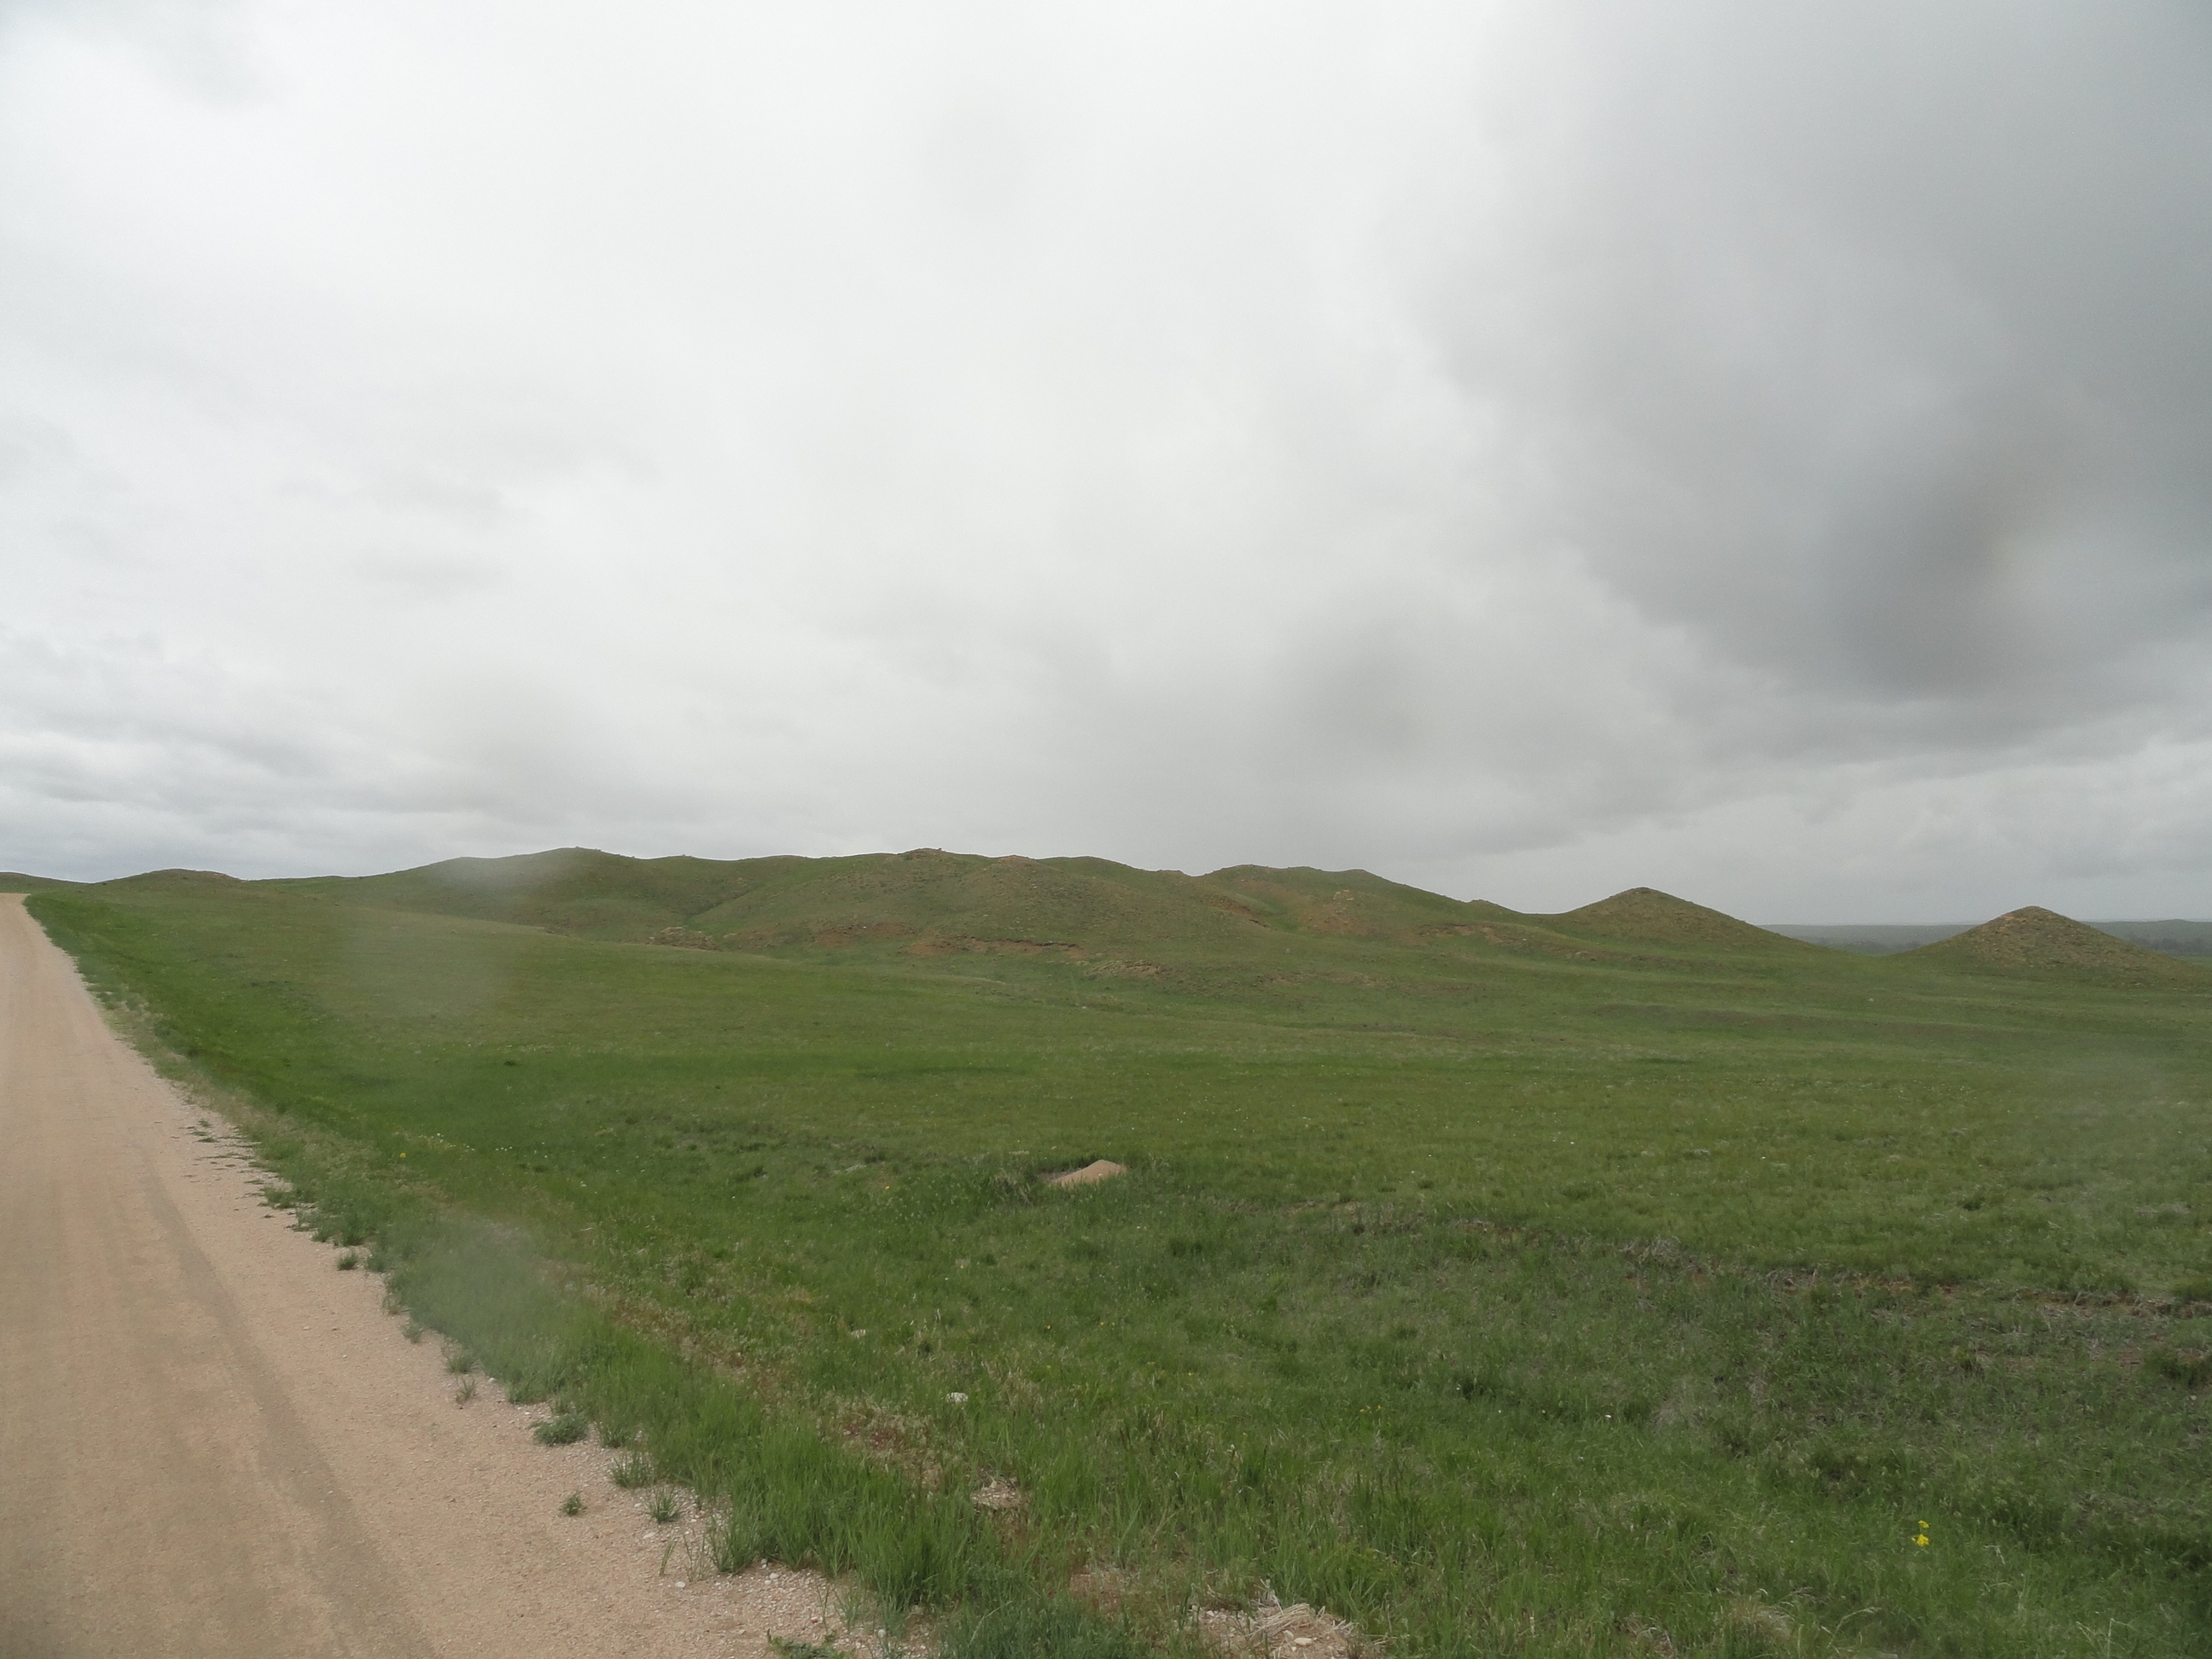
(214,1443)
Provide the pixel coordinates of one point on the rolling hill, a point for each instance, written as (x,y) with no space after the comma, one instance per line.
(927,902)
(2034,941)
(1644,915)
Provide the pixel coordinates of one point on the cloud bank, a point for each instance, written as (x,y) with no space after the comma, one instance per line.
(1524,449)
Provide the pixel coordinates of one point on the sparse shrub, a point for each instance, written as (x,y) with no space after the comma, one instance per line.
(665,1507)
(466,1392)
(633,1472)
(460,1362)
(348,1261)
(572,1503)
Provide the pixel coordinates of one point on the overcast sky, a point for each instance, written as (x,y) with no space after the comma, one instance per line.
(1524,449)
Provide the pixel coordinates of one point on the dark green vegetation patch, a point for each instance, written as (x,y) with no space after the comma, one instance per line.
(1629,1281)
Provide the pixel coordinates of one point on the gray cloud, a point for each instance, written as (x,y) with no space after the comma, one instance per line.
(1882,361)
(1528,449)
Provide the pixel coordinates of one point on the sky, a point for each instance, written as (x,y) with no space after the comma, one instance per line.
(1527,450)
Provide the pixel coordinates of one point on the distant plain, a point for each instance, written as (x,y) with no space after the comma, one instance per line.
(1627,1281)
(2175,939)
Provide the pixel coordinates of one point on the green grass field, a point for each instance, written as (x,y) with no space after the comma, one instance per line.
(1625,1282)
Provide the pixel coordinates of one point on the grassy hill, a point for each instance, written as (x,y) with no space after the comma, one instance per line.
(921,893)
(2035,941)
(14,881)
(1644,915)
(571,889)
(929,904)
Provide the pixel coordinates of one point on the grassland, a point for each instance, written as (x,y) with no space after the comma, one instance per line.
(1629,1281)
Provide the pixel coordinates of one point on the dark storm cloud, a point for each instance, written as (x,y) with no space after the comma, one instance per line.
(1873,346)
(1527,449)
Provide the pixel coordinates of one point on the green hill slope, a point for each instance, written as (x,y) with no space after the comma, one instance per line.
(919,902)
(926,899)
(927,903)
(1349,903)
(569,890)
(15,881)
(1644,915)
(2034,941)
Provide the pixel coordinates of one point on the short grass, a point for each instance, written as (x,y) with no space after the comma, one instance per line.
(1504,1285)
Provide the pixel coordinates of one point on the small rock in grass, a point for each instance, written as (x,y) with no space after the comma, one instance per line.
(1104,1169)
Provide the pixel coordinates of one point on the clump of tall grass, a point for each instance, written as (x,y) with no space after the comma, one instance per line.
(563,1429)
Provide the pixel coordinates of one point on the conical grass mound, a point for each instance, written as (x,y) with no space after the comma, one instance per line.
(1644,915)
(2035,941)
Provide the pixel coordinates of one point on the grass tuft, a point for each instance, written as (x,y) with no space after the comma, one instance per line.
(564,1429)
(633,1471)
